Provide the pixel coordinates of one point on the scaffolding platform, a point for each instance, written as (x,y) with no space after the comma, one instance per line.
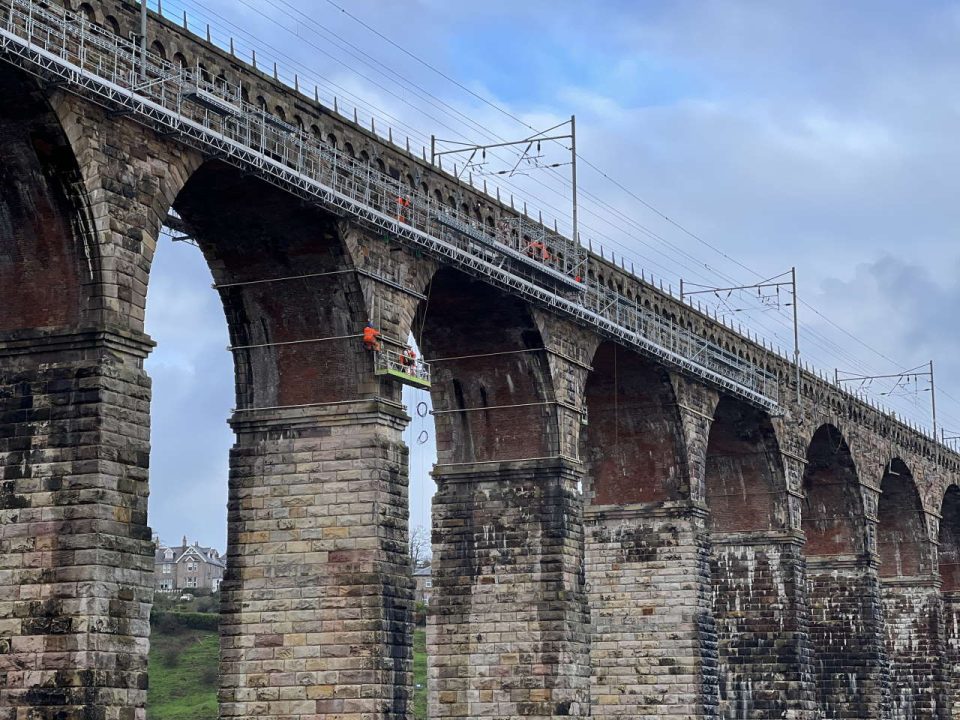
(390,362)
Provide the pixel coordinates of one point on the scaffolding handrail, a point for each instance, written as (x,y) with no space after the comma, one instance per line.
(394,360)
(53,41)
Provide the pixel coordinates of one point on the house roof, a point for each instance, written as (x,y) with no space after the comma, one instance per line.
(207,555)
(422,572)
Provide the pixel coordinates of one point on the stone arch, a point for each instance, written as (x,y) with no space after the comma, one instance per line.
(86,9)
(832,514)
(842,589)
(500,365)
(902,543)
(505,539)
(180,59)
(49,253)
(73,263)
(949,567)
(249,243)
(758,598)
(632,444)
(157,48)
(744,473)
(949,542)
(912,603)
(112,24)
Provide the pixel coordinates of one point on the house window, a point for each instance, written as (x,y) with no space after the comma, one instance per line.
(167,569)
(168,555)
(428,583)
(191,567)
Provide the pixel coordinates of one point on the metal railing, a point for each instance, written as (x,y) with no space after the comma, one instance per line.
(517,253)
(391,360)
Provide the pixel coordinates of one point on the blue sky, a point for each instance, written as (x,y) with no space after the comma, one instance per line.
(815,134)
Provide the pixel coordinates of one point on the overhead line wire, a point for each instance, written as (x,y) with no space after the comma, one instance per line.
(831,347)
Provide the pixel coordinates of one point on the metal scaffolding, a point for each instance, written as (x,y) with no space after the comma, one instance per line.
(519,255)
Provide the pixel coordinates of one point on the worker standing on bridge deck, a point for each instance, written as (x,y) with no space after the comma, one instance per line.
(371,337)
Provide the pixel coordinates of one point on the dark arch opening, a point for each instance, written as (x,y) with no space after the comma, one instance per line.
(744,474)
(295,344)
(832,511)
(490,334)
(949,539)
(249,243)
(632,444)
(112,24)
(47,235)
(901,528)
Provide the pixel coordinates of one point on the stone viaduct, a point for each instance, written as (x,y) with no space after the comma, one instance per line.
(614,535)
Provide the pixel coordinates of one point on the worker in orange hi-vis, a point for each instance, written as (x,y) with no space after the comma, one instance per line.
(402,205)
(371,337)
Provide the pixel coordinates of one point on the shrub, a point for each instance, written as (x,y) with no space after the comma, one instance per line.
(171,622)
(171,656)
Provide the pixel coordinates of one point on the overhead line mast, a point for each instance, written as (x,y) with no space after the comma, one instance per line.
(528,142)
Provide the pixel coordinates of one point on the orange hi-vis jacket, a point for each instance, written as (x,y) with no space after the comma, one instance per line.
(370,335)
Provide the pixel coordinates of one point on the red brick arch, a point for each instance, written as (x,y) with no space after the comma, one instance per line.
(489,354)
(949,555)
(744,473)
(250,231)
(901,529)
(47,254)
(633,442)
(832,507)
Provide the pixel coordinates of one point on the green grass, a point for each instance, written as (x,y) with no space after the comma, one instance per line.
(420,674)
(183,674)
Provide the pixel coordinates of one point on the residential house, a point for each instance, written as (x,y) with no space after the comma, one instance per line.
(423,577)
(187,567)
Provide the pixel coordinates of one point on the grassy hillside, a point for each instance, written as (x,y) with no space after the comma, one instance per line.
(420,674)
(183,673)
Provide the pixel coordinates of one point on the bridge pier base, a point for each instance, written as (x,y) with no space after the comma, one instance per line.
(508,614)
(951,615)
(846,633)
(76,559)
(652,641)
(915,648)
(762,616)
(317,599)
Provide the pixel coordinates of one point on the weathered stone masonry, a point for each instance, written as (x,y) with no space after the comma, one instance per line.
(611,538)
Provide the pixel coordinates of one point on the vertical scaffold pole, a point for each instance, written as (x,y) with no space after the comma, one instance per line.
(143,40)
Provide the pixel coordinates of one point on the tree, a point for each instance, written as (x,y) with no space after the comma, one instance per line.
(419,546)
